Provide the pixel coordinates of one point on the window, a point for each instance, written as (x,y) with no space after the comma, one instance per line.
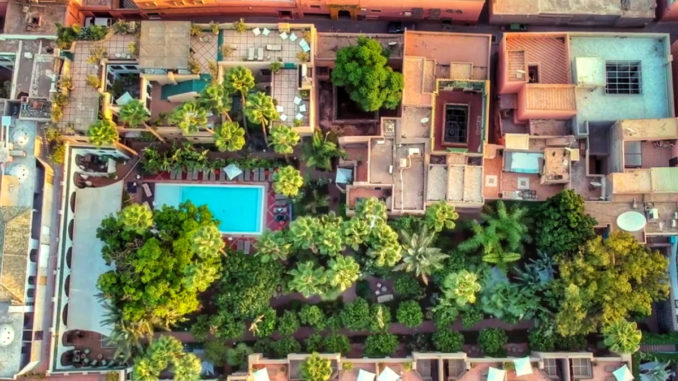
(533,73)
(315,6)
(375,10)
(623,77)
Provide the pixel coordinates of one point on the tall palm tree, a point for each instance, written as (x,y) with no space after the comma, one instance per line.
(283,139)
(229,137)
(215,97)
(239,80)
(419,256)
(260,109)
(126,336)
(500,236)
(134,113)
(103,132)
(287,181)
(189,117)
(321,150)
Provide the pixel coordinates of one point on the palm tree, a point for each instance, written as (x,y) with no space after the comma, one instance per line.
(229,137)
(215,97)
(103,132)
(260,109)
(321,150)
(283,139)
(622,336)
(273,245)
(137,218)
(134,113)
(343,272)
(239,80)
(307,279)
(502,232)
(126,336)
(418,255)
(302,232)
(287,181)
(189,117)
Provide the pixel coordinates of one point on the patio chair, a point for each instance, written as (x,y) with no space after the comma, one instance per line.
(222,175)
(147,190)
(260,54)
(239,177)
(240,245)
(250,54)
(247,175)
(271,172)
(194,174)
(266,32)
(247,247)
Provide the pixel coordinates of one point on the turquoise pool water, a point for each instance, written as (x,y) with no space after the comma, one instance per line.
(238,208)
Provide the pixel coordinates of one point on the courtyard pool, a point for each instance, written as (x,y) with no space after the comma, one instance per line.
(238,208)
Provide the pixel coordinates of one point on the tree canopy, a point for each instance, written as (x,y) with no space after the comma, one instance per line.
(167,353)
(161,267)
(363,70)
(103,132)
(606,280)
(563,223)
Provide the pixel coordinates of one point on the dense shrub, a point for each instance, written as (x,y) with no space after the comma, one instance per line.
(405,286)
(263,346)
(446,340)
(445,315)
(409,313)
(492,341)
(265,323)
(337,343)
(316,368)
(380,345)
(471,317)
(284,346)
(542,338)
(314,343)
(356,315)
(288,323)
(563,223)
(312,315)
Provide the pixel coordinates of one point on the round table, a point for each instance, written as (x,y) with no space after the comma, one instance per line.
(631,221)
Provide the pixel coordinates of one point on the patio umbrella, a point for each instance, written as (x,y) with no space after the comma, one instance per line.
(261,375)
(232,171)
(388,374)
(623,374)
(364,375)
(495,374)
(523,366)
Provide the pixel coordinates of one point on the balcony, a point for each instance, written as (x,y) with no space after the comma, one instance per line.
(546,101)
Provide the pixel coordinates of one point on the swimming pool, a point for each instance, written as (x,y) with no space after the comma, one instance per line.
(238,208)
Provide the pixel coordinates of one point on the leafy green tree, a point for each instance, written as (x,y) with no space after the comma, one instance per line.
(215,98)
(189,117)
(260,109)
(288,323)
(563,224)
(471,317)
(239,80)
(229,137)
(265,323)
(126,336)
(236,357)
(622,336)
(287,181)
(445,313)
(461,288)
(542,337)
(337,343)
(159,272)
(285,345)
(385,250)
(492,342)
(405,286)
(356,315)
(500,236)
(312,315)
(329,239)
(307,279)
(343,272)
(283,139)
(409,313)
(247,285)
(439,216)
(380,345)
(313,343)
(418,256)
(134,113)
(273,245)
(321,150)
(381,318)
(509,302)
(137,218)
(102,133)
(606,280)
(355,231)
(167,353)
(363,71)
(302,232)
(448,341)
(316,368)
(372,210)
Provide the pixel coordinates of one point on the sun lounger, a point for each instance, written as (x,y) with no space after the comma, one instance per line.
(271,171)
(248,175)
(260,54)
(147,190)
(222,175)
(262,175)
(250,54)
(194,175)
(240,245)
(210,175)
(239,177)
(274,47)
(248,246)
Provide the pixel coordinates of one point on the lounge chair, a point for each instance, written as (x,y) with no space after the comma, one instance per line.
(173,174)
(194,174)
(147,190)
(240,245)
(222,175)
(247,175)
(239,177)
(271,171)
(247,248)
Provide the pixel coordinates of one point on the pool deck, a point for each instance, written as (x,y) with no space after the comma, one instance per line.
(233,240)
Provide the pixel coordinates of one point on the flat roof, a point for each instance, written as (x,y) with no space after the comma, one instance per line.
(634,8)
(646,181)
(649,129)
(164,44)
(11,358)
(329,43)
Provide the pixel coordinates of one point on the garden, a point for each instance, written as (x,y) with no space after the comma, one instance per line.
(359,284)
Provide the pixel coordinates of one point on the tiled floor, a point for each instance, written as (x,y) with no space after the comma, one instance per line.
(204,50)
(242,41)
(284,91)
(83,107)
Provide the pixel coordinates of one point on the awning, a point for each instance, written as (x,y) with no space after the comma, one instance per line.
(261,375)
(495,374)
(364,375)
(623,374)
(232,171)
(523,366)
(388,374)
